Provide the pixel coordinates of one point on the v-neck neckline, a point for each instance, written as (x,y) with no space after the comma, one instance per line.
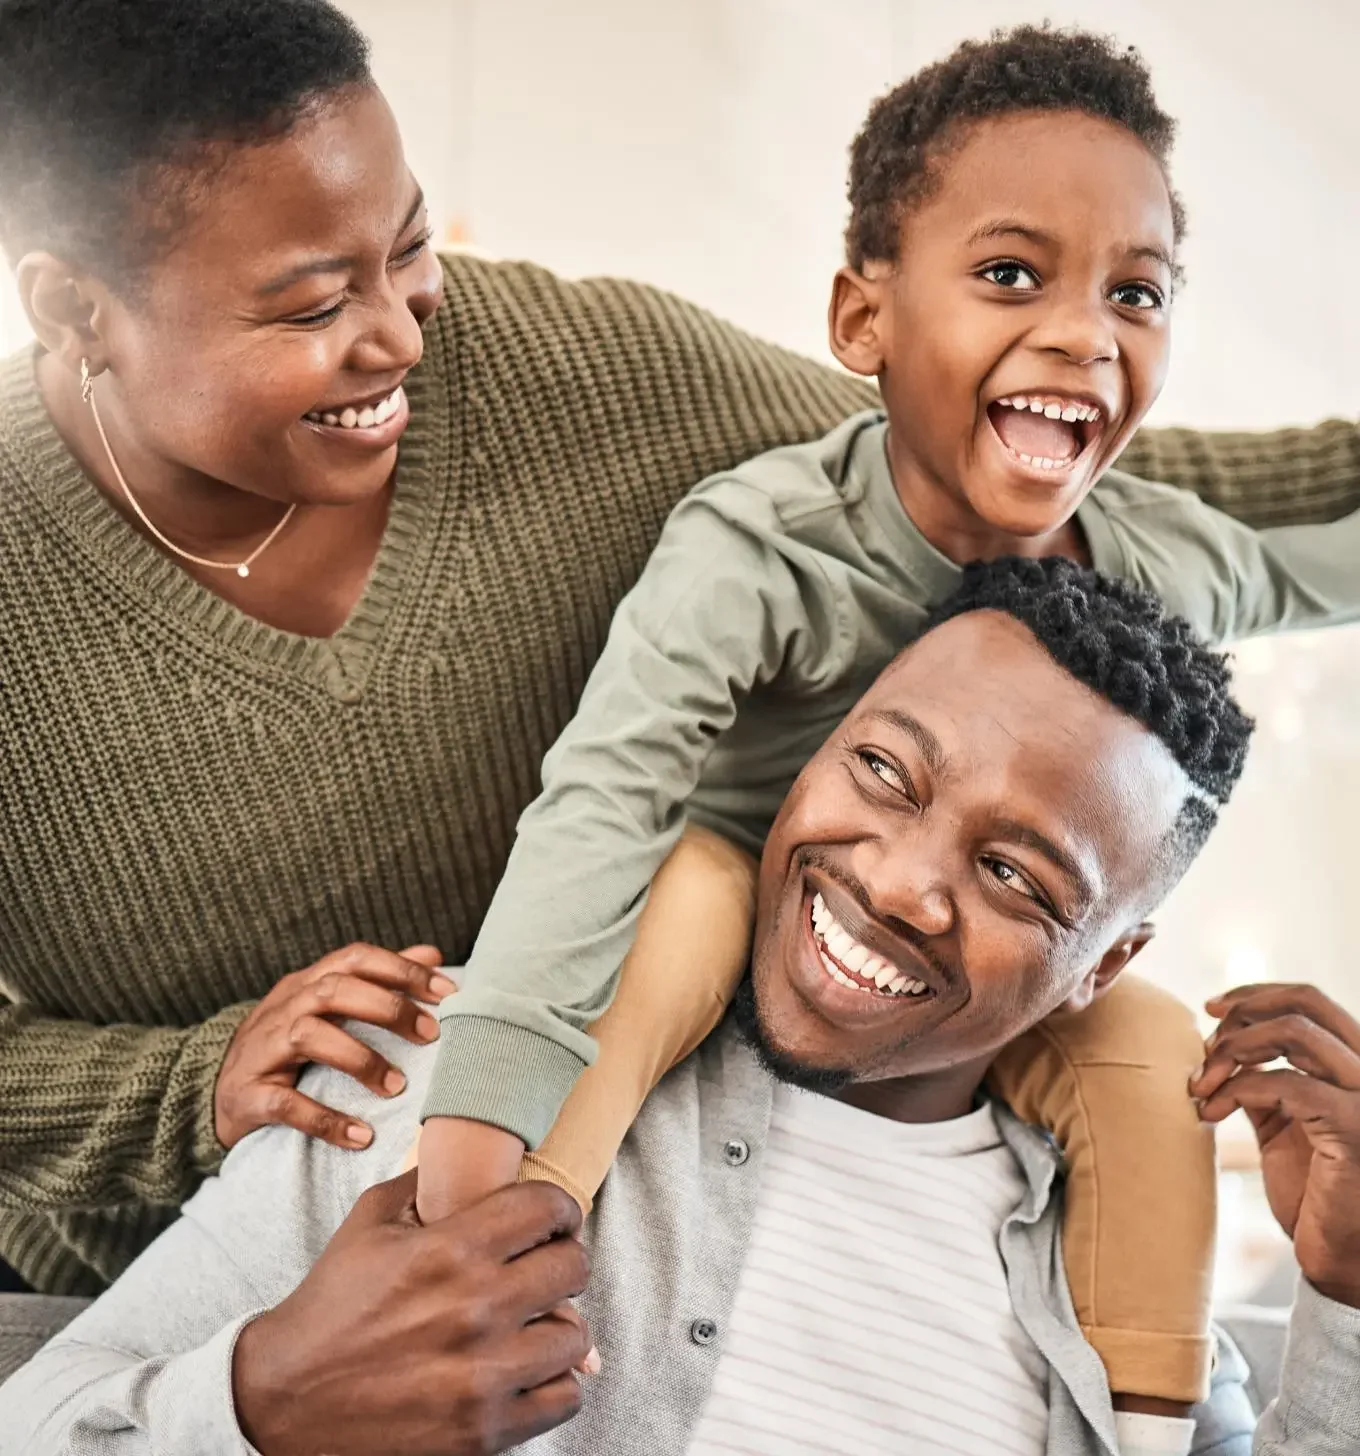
(103,541)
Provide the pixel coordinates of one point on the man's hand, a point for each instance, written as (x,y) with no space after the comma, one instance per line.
(296,1023)
(461,1162)
(422,1341)
(1306,1116)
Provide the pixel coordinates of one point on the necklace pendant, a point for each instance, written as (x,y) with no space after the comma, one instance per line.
(243,571)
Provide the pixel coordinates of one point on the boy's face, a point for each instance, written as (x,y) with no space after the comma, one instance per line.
(1036,272)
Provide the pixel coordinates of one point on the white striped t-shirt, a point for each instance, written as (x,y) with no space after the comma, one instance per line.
(872,1313)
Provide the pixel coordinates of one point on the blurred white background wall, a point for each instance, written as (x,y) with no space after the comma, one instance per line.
(701,145)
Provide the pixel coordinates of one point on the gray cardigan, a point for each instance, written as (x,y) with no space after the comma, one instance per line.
(147,1368)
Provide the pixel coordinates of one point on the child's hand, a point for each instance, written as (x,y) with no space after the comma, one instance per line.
(461,1162)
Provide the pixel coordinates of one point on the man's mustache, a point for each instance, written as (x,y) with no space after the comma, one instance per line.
(815,856)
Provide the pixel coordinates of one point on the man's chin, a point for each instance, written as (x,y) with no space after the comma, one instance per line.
(777,1062)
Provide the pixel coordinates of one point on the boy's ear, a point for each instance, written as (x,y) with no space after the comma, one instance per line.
(853,320)
(1109,967)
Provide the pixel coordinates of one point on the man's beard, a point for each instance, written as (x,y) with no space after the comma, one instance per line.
(826,1080)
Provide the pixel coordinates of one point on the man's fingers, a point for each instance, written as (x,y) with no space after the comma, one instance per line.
(548,1348)
(516,1219)
(1245,1005)
(269,1103)
(539,1284)
(1310,1047)
(546,1406)
(391,1201)
(341,996)
(1295,1094)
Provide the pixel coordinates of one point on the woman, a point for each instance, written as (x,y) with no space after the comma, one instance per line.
(300,574)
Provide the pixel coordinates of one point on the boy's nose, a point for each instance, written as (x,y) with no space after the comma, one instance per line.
(1082,333)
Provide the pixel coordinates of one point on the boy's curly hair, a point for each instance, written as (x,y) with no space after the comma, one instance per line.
(1028,68)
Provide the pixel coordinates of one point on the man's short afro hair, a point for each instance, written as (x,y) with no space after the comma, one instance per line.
(1028,68)
(100,100)
(1119,640)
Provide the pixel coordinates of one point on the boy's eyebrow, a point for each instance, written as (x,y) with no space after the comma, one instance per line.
(1014,228)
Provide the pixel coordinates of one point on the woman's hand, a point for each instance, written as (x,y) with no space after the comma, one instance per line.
(1306,1116)
(296,1024)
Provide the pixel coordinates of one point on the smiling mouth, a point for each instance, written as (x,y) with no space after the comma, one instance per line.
(365,417)
(854,965)
(1047,433)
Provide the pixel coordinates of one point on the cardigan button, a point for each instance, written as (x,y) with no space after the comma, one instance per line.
(703,1332)
(736,1151)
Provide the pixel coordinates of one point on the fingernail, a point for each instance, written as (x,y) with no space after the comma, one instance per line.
(358,1134)
(427,1026)
(394,1082)
(1197,1073)
(591,1364)
(442,986)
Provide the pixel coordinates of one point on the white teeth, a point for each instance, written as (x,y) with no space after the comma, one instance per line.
(359,419)
(855,958)
(1053,411)
(1071,413)
(1036,406)
(849,955)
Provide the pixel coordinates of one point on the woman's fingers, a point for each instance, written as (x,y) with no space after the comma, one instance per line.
(339,996)
(266,1103)
(418,977)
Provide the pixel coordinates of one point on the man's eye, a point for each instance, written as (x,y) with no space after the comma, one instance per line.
(1138,295)
(882,769)
(1012,276)
(1009,876)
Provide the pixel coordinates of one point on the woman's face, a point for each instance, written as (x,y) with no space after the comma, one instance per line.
(296,293)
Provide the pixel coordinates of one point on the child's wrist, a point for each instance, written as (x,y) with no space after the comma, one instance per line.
(461,1162)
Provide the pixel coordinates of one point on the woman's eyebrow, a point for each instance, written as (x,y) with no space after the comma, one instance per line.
(338,263)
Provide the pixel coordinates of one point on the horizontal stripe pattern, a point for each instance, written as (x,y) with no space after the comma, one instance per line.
(872,1314)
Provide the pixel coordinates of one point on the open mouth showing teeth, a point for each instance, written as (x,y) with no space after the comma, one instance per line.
(1045,431)
(359,419)
(851,964)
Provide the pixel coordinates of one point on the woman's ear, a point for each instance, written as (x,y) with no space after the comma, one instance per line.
(1109,967)
(64,310)
(853,320)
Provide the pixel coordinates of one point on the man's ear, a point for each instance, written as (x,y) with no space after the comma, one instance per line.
(853,322)
(65,310)
(1109,967)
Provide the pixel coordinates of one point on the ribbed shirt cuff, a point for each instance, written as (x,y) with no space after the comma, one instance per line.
(495,1072)
(201,1063)
(1322,1362)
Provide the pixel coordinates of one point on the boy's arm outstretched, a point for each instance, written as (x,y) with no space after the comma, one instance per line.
(725,602)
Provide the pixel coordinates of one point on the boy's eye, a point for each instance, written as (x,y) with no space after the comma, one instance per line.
(1138,295)
(1011,275)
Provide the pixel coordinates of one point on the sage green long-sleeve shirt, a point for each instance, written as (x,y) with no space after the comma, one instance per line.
(776,593)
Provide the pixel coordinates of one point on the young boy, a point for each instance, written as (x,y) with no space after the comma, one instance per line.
(1011,261)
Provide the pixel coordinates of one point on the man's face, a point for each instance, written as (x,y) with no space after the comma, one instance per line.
(959,859)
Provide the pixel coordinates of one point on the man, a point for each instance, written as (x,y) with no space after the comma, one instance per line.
(871,1265)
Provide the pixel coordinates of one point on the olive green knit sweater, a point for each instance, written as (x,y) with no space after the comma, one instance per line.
(195,804)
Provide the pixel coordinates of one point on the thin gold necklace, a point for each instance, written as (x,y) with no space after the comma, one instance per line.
(241,568)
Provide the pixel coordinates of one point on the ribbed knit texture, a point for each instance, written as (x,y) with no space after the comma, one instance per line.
(195,804)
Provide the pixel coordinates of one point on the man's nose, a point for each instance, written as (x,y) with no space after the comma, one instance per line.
(906,881)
